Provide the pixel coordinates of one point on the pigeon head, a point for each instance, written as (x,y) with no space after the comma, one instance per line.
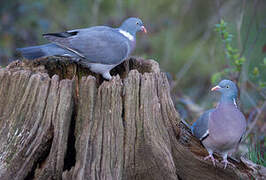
(133,25)
(227,88)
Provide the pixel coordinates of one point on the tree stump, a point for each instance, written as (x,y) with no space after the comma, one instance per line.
(60,121)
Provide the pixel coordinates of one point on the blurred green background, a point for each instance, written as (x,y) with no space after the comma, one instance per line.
(181,38)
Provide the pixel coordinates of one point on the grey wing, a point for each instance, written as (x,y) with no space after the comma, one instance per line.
(242,125)
(98,45)
(200,127)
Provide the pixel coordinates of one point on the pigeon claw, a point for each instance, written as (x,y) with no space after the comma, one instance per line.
(210,156)
(227,163)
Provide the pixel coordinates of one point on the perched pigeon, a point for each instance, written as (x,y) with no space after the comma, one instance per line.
(101,48)
(222,128)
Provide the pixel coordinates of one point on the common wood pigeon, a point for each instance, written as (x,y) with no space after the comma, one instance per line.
(101,48)
(221,129)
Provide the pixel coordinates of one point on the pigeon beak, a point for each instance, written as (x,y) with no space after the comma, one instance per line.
(143,29)
(215,88)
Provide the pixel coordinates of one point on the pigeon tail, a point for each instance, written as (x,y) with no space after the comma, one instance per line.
(50,49)
(32,52)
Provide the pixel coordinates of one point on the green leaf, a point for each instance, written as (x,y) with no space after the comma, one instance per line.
(242,60)
(236,56)
(262,84)
(222,22)
(216,77)
(256,71)
(227,70)
(217,26)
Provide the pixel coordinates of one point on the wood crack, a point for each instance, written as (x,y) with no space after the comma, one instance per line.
(126,128)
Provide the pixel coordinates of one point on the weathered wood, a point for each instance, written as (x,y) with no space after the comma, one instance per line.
(60,121)
(32,107)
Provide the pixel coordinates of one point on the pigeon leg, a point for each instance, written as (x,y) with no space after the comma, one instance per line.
(225,161)
(210,156)
(107,75)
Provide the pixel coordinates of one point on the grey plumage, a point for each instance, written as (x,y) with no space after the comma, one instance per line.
(102,45)
(200,127)
(101,48)
(222,128)
(50,49)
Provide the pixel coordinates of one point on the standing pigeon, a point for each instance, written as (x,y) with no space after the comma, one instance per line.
(222,128)
(101,48)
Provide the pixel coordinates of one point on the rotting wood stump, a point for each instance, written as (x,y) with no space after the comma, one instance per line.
(60,121)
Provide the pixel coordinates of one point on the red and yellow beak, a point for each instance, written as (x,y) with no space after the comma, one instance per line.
(143,29)
(215,88)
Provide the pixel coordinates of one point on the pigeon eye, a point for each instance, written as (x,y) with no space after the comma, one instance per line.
(227,87)
(137,23)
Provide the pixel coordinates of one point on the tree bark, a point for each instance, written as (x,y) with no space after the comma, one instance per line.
(60,121)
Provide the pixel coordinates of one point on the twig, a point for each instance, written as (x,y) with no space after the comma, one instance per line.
(256,88)
(219,18)
(249,27)
(260,110)
(239,23)
(250,99)
(95,11)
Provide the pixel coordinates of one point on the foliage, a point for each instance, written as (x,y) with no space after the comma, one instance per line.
(234,57)
(235,60)
(261,83)
(255,153)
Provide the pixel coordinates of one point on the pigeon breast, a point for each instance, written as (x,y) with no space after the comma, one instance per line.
(226,127)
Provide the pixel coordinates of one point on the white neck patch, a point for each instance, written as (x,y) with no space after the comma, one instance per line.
(234,102)
(126,34)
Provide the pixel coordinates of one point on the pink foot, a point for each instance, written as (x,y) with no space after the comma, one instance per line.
(210,156)
(227,162)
